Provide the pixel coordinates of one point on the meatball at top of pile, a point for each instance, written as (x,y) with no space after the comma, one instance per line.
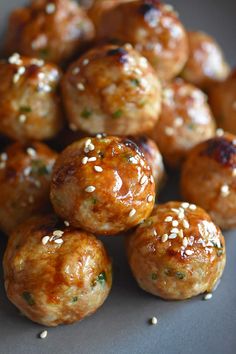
(209,179)
(51,30)
(185,120)
(25,175)
(177,252)
(55,274)
(206,64)
(222,98)
(29,103)
(113,90)
(103,185)
(155,31)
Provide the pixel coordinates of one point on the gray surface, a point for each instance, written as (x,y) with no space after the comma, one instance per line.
(120,326)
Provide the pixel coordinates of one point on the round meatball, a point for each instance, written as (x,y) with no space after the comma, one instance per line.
(55,274)
(51,30)
(25,174)
(155,31)
(29,103)
(103,185)
(113,90)
(209,179)
(222,98)
(185,120)
(153,157)
(177,253)
(206,63)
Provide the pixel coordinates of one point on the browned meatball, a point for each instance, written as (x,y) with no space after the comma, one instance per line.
(222,99)
(25,174)
(55,274)
(103,185)
(185,120)
(52,30)
(209,179)
(29,103)
(155,31)
(206,63)
(153,157)
(177,253)
(112,90)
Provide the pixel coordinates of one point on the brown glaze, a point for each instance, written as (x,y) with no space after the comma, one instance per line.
(222,150)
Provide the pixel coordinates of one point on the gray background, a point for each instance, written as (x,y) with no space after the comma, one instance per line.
(120,326)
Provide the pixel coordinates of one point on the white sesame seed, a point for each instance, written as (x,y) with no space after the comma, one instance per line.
(134,160)
(172,236)
(4,156)
(27,171)
(90,189)
(80,86)
(185,242)
(132,212)
(91,147)
(59,241)
(181,234)
(169,131)
(31,152)
(143,180)
(73,127)
(192,207)
(234,172)
(84,160)
(50,8)
(66,223)
(175,223)
(75,71)
(151,179)
(99,136)
(219,132)
(58,233)
(14,59)
(168,219)
(189,252)
(186,224)
(45,240)
(234,142)
(154,233)
(207,297)
(22,118)
(37,183)
(153,321)
(85,62)
(98,168)
(43,334)
(185,205)
(225,190)
(150,198)
(92,159)
(21,70)
(174,230)
(164,238)
(88,142)
(178,121)
(175,210)
(2,165)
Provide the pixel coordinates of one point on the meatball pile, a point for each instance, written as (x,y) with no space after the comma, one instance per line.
(98,103)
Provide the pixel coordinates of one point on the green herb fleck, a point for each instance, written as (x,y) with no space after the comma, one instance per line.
(44,53)
(147,223)
(93,201)
(102,278)
(39,168)
(117,114)
(86,113)
(28,298)
(219,252)
(180,275)
(191,126)
(135,82)
(75,299)
(25,109)
(154,276)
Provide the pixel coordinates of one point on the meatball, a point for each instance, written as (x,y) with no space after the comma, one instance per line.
(51,30)
(112,90)
(177,253)
(29,103)
(25,174)
(222,98)
(155,31)
(206,64)
(55,274)
(103,185)
(209,179)
(153,157)
(185,120)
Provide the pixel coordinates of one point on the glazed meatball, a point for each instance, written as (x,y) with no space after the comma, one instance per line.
(177,253)
(25,174)
(206,63)
(155,31)
(222,98)
(113,90)
(209,179)
(185,120)
(103,185)
(55,274)
(153,157)
(29,103)
(52,30)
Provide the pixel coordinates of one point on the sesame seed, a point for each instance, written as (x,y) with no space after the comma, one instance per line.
(50,8)
(175,223)
(2,165)
(185,242)
(132,212)
(192,207)
(178,121)
(84,160)
(73,127)
(15,59)
(99,136)
(59,241)
(172,236)
(22,118)
(150,198)
(168,219)
(98,168)
(4,156)
(66,223)
(181,234)
(91,147)
(186,224)
(225,190)
(189,252)
(90,189)
(220,132)
(164,238)
(75,71)
(85,61)
(45,240)
(185,205)
(143,180)
(151,179)
(234,172)
(58,233)
(153,321)
(169,131)
(207,297)
(174,230)
(134,160)
(31,152)
(31,199)
(37,183)
(175,210)
(21,70)
(92,159)
(80,86)
(43,334)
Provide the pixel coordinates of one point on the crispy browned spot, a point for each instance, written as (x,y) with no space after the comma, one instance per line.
(221,150)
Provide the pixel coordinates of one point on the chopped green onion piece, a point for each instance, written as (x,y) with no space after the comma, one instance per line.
(28,298)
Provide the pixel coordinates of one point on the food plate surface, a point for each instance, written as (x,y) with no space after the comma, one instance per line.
(121,325)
